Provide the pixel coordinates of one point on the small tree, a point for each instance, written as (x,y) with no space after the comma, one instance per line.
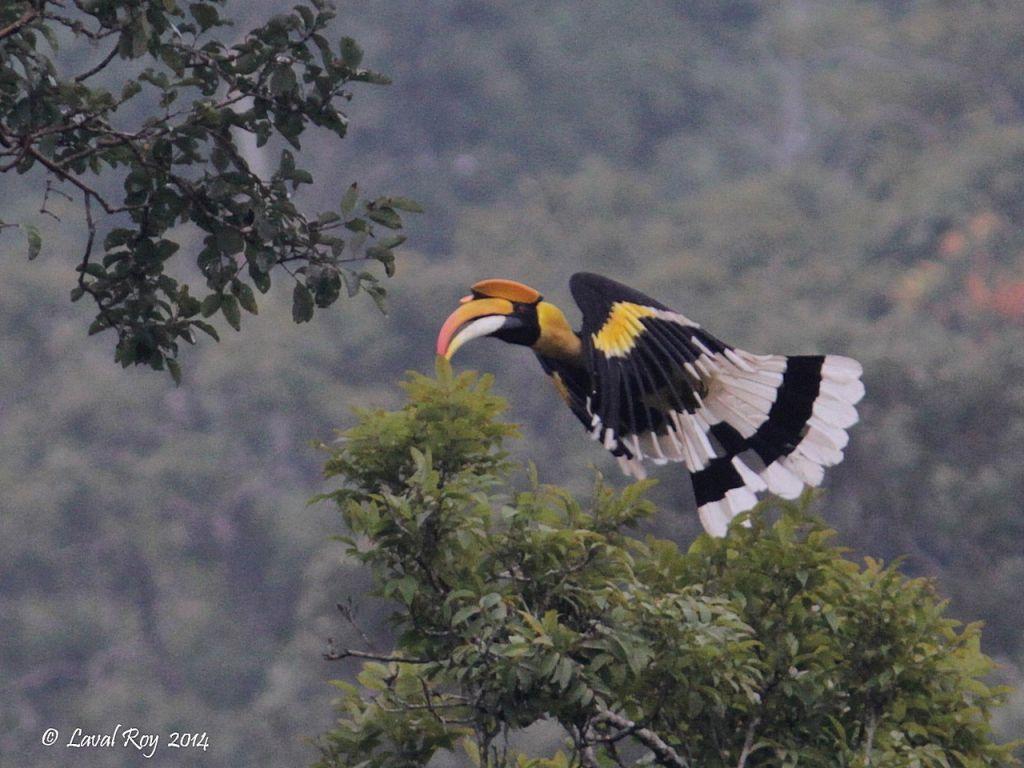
(153,143)
(767,647)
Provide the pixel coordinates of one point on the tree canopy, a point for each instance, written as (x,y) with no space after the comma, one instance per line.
(764,648)
(169,132)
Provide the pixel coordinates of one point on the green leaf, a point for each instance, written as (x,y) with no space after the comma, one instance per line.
(348,201)
(386,217)
(116,237)
(407,587)
(245,296)
(463,614)
(247,63)
(378,295)
(93,269)
(35,241)
(351,53)
(229,307)
(205,14)
(307,16)
(210,305)
(229,241)
(283,81)
(206,328)
(260,279)
(385,256)
(287,164)
(131,88)
(302,304)
(368,76)
(404,204)
(563,672)
(351,282)
(133,39)
(175,370)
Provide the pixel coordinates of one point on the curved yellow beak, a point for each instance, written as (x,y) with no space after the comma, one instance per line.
(475,318)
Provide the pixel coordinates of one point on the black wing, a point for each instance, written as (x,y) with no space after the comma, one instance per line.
(669,391)
(575,384)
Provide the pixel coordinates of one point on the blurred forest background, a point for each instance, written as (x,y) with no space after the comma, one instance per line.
(798,176)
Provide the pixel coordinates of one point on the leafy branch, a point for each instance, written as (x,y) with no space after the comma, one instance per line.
(167,138)
(519,607)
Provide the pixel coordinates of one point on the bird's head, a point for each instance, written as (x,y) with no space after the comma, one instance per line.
(509,311)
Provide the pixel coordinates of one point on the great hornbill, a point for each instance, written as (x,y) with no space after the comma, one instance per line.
(649,383)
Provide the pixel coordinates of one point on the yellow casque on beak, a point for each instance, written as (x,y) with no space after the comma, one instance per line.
(475,318)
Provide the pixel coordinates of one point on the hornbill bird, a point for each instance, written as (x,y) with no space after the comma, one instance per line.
(651,384)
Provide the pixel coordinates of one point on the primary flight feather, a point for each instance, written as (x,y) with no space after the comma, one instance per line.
(650,384)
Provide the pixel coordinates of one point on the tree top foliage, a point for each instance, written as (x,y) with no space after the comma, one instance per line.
(767,647)
(164,151)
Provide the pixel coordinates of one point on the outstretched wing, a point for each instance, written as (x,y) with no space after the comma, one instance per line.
(666,390)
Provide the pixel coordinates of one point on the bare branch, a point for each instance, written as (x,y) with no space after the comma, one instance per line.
(79,28)
(664,754)
(90,72)
(869,742)
(27,17)
(346,653)
(349,612)
(70,177)
(90,241)
(585,747)
(612,738)
(433,706)
(748,742)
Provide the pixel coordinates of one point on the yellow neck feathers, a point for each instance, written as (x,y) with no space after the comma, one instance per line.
(557,338)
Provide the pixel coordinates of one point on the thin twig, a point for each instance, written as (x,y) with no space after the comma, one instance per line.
(349,612)
(26,18)
(52,190)
(432,707)
(63,174)
(90,72)
(91,227)
(345,653)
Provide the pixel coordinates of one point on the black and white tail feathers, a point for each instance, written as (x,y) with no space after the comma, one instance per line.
(759,423)
(776,422)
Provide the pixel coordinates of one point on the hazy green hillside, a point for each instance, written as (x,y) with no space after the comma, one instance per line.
(797,176)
